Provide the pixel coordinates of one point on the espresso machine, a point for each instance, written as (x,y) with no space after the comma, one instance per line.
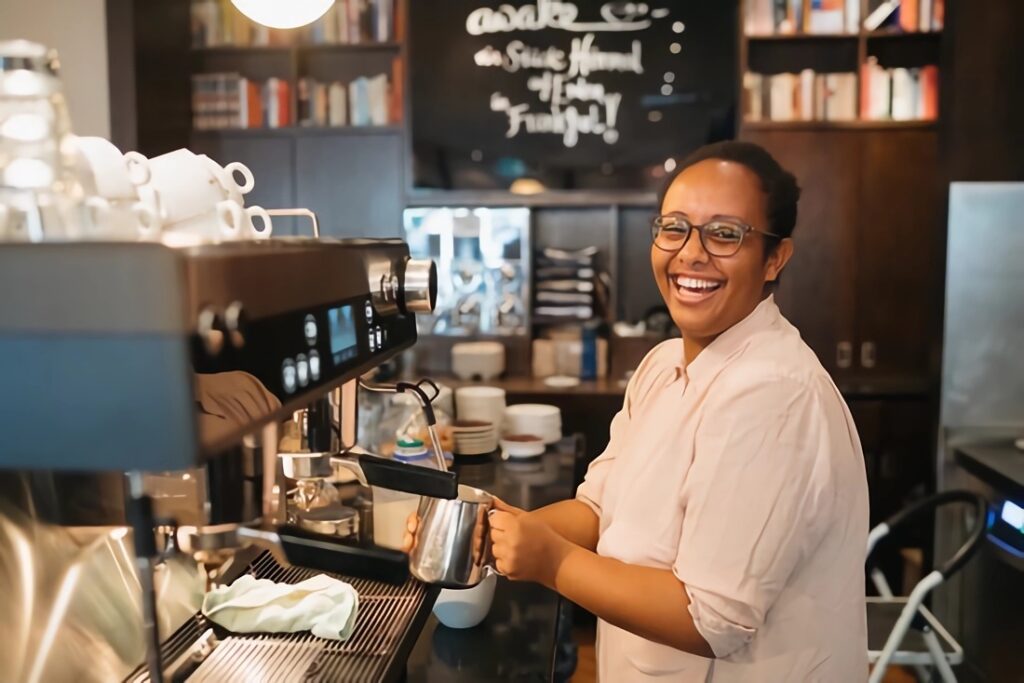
(147,391)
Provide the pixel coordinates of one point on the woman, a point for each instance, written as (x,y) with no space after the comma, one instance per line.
(721,535)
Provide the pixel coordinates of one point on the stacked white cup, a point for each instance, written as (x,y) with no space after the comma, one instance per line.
(113,207)
(199,200)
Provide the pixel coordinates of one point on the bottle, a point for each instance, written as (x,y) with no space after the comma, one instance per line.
(391,509)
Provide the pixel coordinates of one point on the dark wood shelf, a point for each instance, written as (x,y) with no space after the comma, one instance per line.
(790,37)
(835,125)
(299,131)
(287,49)
(890,34)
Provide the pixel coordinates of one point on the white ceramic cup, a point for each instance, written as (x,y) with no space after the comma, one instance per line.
(116,175)
(122,219)
(183,185)
(238,221)
(4,214)
(481,403)
(226,176)
(468,607)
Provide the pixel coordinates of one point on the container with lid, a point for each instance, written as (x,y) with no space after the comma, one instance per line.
(391,509)
(40,186)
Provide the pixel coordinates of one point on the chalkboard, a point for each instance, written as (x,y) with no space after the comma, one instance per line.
(573,95)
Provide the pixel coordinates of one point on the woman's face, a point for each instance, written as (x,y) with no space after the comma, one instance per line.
(707,295)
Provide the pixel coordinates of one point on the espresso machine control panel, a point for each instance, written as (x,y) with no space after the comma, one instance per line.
(310,349)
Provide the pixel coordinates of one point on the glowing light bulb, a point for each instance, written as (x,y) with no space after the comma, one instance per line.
(283,13)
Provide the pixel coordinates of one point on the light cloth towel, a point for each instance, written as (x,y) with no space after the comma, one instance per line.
(327,607)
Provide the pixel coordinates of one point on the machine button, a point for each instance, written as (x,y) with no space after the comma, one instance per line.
(380,337)
(369,312)
(373,342)
(309,329)
(314,366)
(302,369)
(235,323)
(288,376)
(210,329)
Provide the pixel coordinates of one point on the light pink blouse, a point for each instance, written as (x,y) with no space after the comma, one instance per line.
(743,474)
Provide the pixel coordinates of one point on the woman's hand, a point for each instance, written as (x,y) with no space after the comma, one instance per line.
(525,548)
(412,523)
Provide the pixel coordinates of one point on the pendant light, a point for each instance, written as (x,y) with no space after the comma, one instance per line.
(283,13)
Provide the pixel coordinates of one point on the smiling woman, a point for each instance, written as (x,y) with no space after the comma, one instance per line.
(720,537)
(743,206)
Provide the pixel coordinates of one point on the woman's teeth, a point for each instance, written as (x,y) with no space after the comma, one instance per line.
(696,285)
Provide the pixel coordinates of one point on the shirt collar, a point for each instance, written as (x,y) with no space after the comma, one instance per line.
(731,342)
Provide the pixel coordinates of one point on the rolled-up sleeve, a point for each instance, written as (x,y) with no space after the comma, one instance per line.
(754,503)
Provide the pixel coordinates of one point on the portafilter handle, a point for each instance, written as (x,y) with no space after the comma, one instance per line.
(373,470)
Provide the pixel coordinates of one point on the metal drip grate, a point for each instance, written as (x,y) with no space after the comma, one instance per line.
(390,618)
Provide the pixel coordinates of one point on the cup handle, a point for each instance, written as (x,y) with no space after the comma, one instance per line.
(148,219)
(239,167)
(230,215)
(264,216)
(96,207)
(138,168)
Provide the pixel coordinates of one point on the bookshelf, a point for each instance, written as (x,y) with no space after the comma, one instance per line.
(892,47)
(345,71)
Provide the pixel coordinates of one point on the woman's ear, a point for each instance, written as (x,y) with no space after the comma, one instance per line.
(778,259)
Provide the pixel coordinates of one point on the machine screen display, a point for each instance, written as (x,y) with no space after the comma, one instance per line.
(343,334)
(1013,515)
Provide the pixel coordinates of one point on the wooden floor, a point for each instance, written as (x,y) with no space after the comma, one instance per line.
(586,667)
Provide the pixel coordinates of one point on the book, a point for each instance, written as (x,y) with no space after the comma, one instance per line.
(378,96)
(806,99)
(827,16)
(852,16)
(938,14)
(902,95)
(880,86)
(908,15)
(782,88)
(396,104)
(929,83)
(337,108)
(881,14)
(753,85)
(760,20)
(924,19)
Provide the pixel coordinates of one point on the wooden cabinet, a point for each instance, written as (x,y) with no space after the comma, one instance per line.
(864,285)
(816,291)
(900,252)
(354,183)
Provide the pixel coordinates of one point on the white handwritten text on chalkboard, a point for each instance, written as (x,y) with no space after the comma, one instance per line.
(573,103)
(551,14)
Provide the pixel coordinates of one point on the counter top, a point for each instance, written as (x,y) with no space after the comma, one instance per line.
(536,385)
(1000,465)
(885,387)
(516,642)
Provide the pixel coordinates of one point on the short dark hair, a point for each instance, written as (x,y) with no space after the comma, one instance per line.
(779,184)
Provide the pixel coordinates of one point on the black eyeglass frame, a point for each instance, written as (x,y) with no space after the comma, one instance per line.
(674,223)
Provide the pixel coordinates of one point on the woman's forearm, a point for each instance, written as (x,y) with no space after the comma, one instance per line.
(572,520)
(651,603)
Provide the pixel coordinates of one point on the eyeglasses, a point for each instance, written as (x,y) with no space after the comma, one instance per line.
(720,237)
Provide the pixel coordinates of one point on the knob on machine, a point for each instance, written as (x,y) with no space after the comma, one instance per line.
(407,287)
(419,286)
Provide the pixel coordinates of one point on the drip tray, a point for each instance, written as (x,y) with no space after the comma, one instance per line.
(390,620)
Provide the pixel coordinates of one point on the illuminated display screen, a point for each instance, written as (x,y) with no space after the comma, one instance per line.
(1013,515)
(343,334)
